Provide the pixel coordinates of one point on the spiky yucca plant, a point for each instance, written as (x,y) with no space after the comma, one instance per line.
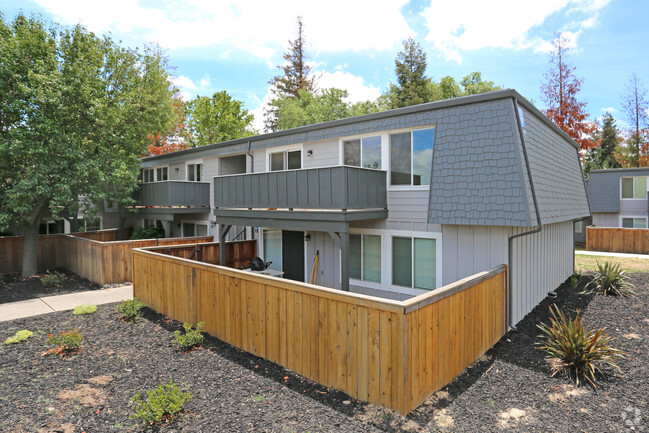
(571,348)
(611,279)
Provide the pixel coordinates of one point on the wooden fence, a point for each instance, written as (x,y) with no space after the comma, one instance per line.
(617,240)
(387,352)
(238,253)
(101,262)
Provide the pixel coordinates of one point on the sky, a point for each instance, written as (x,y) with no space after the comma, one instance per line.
(236,45)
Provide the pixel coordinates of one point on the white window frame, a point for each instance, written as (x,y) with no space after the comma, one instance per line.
(160,167)
(579,226)
(341,148)
(201,222)
(634,179)
(195,162)
(285,150)
(388,162)
(644,217)
(230,156)
(386,260)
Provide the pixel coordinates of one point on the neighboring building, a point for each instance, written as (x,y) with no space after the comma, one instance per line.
(618,197)
(393,203)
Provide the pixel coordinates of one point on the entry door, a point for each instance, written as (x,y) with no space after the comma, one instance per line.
(293,255)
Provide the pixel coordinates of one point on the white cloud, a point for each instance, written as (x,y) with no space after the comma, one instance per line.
(464,25)
(354,84)
(205,81)
(183,83)
(260,28)
(608,110)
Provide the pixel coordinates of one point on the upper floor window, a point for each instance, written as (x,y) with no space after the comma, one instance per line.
(162,173)
(286,160)
(363,152)
(411,157)
(155,174)
(634,187)
(194,172)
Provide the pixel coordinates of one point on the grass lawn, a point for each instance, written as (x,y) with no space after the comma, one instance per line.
(584,263)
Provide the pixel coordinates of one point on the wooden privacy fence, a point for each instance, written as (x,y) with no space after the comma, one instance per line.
(101,262)
(238,253)
(387,352)
(619,240)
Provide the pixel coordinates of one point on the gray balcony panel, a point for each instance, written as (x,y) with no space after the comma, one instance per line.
(174,193)
(338,187)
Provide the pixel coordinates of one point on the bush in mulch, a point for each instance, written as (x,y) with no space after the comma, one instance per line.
(162,404)
(192,337)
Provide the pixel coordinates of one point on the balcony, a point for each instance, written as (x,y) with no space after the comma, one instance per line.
(336,195)
(174,194)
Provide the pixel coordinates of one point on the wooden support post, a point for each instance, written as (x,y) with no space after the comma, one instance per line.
(222,234)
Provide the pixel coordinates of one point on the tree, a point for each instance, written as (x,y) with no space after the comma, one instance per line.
(216,119)
(297,76)
(174,139)
(474,85)
(635,106)
(607,139)
(413,86)
(560,91)
(75,113)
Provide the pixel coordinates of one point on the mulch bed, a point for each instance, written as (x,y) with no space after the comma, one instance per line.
(14,288)
(508,389)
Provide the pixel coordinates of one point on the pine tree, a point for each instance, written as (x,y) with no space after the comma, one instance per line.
(297,76)
(413,86)
(635,106)
(560,91)
(607,138)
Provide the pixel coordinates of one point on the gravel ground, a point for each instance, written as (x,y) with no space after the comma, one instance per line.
(508,389)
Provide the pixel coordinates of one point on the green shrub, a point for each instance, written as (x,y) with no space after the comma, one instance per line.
(148,233)
(191,338)
(575,278)
(130,309)
(610,279)
(163,402)
(571,348)
(52,279)
(82,309)
(19,336)
(65,342)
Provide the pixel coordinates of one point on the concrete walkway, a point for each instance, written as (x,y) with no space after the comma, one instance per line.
(604,253)
(50,304)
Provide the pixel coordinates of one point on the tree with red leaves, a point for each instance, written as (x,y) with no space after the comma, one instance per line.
(176,137)
(559,92)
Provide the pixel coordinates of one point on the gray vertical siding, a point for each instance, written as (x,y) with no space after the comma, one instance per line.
(540,263)
(471,249)
(259,161)
(210,169)
(325,154)
(328,274)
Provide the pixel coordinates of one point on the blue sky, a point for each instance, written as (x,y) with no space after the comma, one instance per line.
(235,45)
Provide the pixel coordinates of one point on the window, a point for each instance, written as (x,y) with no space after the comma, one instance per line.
(288,160)
(414,262)
(194,229)
(194,172)
(273,248)
(411,157)
(634,223)
(634,187)
(365,257)
(161,174)
(148,175)
(364,152)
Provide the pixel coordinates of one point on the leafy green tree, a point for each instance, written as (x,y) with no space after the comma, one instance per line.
(413,86)
(607,137)
(75,113)
(297,76)
(216,119)
(473,84)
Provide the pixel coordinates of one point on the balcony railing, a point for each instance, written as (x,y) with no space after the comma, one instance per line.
(340,187)
(174,193)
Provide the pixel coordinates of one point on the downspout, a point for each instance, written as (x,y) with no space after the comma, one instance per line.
(536,207)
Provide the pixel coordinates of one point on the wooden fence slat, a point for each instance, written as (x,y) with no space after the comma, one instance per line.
(619,240)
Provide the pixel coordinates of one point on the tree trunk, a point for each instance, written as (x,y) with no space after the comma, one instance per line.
(30,251)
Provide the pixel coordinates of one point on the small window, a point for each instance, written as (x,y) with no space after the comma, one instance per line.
(411,157)
(148,175)
(194,229)
(365,257)
(290,160)
(579,226)
(194,172)
(162,174)
(634,223)
(634,187)
(414,262)
(365,152)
